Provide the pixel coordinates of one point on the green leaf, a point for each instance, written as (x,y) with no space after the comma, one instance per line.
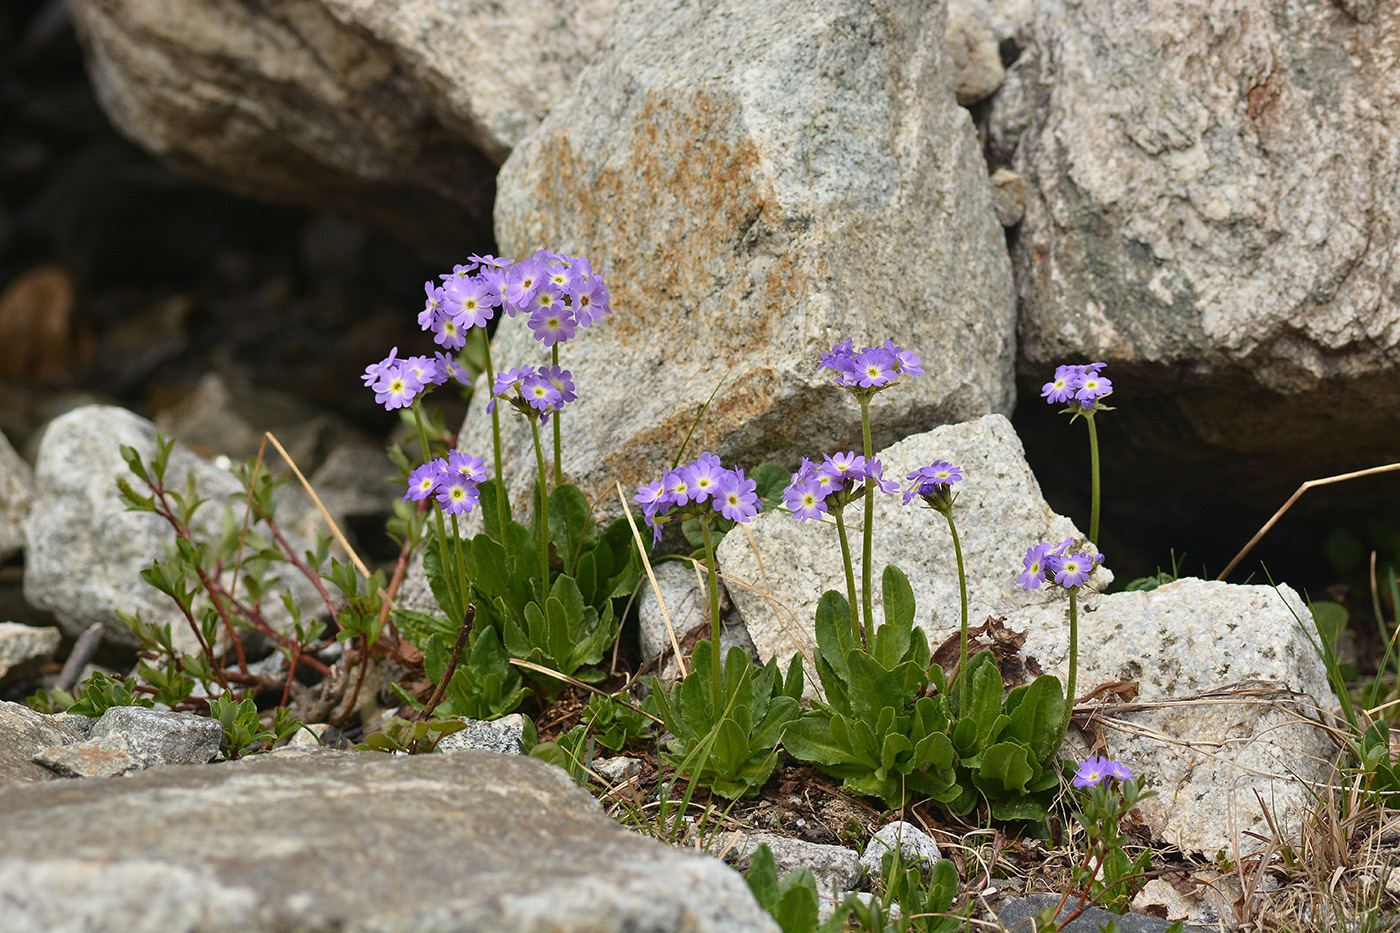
(1008,763)
(1036,717)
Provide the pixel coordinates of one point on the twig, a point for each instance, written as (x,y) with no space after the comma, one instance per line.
(1309,484)
(427,711)
(655,587)
(83,650)
(330,522)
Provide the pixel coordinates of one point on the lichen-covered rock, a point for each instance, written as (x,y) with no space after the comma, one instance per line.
(836,869)
(397,113)
(916,848)
(1213,199)
(758,181)
(515,847)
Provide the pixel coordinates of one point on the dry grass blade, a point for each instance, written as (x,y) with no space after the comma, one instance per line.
(306,484)
(1298,494)
(655,587)
(551,672)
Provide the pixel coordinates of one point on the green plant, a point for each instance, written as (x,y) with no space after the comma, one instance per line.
(793,901)
(480,684)
(572,751)
(614,723)
(726,736)
(925,905)
(243,728)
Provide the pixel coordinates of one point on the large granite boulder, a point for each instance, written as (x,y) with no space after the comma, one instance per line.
(350,841)
(758,181)
(1214,202)
(393,112)
(16,484)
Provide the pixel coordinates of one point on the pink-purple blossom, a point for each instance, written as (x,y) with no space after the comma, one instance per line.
(1097,769)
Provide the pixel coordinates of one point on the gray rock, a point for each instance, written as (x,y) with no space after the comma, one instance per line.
(999,513)
(687,601)
(1207,759)
(78,520)
(836,869)
(24,734)
(24,648)
(616,770)
(1213,201)
(756,180)
(916,847)
(515,846)
(972,47)
(393,113)
(1019,914)
(1009,192)
(162,738)
(109,756)
(16,485)
(504,736)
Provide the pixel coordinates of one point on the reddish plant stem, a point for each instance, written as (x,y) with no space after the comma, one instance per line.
(452,662)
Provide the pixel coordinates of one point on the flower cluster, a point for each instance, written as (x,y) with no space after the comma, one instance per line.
(1098,769)
(817,488)
(868,367)
(1052,561)
(454,479)
(558,293)
(396,383)
(534,391)
(699,487)
(934,484)
(1083,383)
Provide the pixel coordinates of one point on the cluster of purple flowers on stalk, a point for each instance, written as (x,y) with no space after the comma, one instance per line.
(698,487)
(868,367)
(934,484)
(1052,561)
(453,479)
(816,488)
(559,293)
(542,391)
(1098,769)
(1084,383)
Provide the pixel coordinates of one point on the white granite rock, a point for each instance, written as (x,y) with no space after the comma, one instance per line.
(1205,759)
(24,647)
(687,600)
(972,46)
(916,847)
(16,491)
(836,869)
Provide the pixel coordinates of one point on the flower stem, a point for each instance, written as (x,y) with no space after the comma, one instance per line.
(1073,661)
(716,680)
(558,442)
(443,559)
(962,587)
(869,530)
(504,515)
(541,510)
(857,632)
(1093,481)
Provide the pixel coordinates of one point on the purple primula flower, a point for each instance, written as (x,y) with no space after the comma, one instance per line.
(651,493)
(805,500)
(487,261)
(396,388)
(374,370)
(552,324)
(424,480)
(677,487)
(457,493)
(424,369)
(1073,570)
(507,384)
(459,271)
(1062,387)
(932,480)
(703,478)
(540,394)
(546,298)
(877,367)
(905,360)
(875,472)
(449,368)
(521,280)
(447,332)
(561,379)
(473,300)
(591,302)
(843,465)
(1095,770)
(473,468)
(1092,387)
(735,497)
(431,306)
(1040,560)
